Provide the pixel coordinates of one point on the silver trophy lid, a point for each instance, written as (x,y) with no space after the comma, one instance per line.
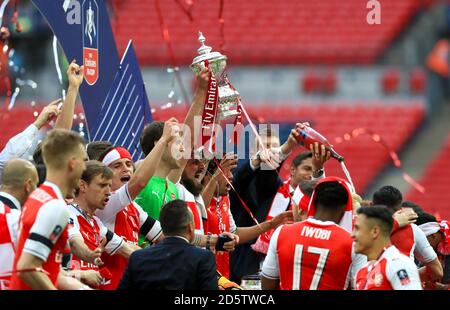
(205,54)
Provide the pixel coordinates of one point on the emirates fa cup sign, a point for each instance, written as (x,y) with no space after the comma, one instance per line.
(90,40)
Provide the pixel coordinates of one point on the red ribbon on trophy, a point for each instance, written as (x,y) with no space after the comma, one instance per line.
(237,127)
(209,114)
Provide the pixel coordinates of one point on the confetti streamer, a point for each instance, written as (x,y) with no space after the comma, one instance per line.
(15,19)
(5,35)
(187,10)
(247,209)
(222,27)
(58,69)
(13,98)
(168,41)
(392,154)
(2,10)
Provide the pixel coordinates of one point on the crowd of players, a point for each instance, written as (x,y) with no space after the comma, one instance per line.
(88,217)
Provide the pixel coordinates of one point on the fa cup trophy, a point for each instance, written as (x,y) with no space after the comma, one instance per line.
(228,96)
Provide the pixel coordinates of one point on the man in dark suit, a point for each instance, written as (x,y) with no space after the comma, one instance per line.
(174,263)
(257,187)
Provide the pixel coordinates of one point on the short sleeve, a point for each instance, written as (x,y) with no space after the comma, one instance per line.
(51,220)
(117,202)
(233,226)
(113,241)
(270,267)
(403,274)
(423,250)
(149,227)
(74,226)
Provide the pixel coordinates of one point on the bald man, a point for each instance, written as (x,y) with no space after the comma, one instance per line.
(20,178)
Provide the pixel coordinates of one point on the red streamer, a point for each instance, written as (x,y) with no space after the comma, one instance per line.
(240,109)
(15,19)
(168,41)
(247,209)
(392,154)
(187,10)
(7,82)
(222,27)
(37,269)
(237,127)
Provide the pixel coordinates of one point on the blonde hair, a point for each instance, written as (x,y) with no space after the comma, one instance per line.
(356,201)
(59,145)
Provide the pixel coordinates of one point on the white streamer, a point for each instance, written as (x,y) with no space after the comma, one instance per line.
(30,83)
(2,11)
(13,98)
(58,69)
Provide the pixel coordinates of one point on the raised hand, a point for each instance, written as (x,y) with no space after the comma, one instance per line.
(291,141)
(75,74)
(228,164)
(171,129)
(203,78)
(49,113)
(319,155)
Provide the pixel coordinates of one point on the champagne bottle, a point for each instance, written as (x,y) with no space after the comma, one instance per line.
(309,136)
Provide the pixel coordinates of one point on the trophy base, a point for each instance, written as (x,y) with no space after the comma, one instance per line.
(222,115)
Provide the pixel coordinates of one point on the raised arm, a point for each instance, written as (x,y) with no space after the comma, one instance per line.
(148,166)
(20,144)
(196,109)
(75,75)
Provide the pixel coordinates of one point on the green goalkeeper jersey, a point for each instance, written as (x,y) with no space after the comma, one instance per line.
(152,197)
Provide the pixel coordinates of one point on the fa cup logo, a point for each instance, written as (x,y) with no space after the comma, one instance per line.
(90,40)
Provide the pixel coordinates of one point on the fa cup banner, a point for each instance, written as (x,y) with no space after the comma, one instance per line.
(84,32)
(126,109)
(90,41)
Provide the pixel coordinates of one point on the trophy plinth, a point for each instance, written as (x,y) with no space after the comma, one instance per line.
(228,97)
